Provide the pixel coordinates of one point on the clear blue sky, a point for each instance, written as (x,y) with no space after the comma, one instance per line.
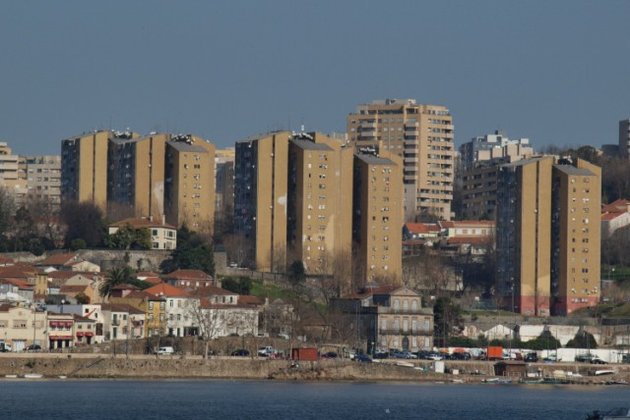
(557,72)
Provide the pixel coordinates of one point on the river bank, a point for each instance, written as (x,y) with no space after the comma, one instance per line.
(88,366)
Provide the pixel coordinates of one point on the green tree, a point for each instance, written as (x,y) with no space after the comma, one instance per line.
(447,320)
(84,221)
(240,285)
(82,298)
(77,243)
(545,341)
(194,251)
(296,273)
(116,276)
(127,237)
(582,340)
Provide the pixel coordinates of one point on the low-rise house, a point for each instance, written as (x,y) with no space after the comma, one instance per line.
(388,318)
(16,290)
(149,277)
(615,215)
(60,330)
(179,320)
(21,327)
(189,279)
(84,330)
(220,314)
(68,262)
(163,235)
(153,307)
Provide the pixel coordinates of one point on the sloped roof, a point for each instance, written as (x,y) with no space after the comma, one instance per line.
(611,216)
(120,307)
(164,289)
(189,275)
(618,206)
(60,259)
(250,300)
(417,228)
(6,260)
(19,270)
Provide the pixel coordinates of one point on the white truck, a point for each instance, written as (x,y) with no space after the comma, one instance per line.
(266,351)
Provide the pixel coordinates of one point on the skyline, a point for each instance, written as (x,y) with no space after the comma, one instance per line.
(553,73)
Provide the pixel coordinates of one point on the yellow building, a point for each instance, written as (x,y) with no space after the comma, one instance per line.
(84,166)
(319,215)
(260,199)
(377,218)
(135,184)
(189,193)
(422,136)
(548,236)
(576,236)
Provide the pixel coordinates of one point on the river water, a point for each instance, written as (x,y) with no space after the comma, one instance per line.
(220,399)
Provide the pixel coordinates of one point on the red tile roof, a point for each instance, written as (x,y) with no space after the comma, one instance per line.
(611,216)
(60,259)
(250,300)
(618,206)
(164,289)
(417,228)
(6,260)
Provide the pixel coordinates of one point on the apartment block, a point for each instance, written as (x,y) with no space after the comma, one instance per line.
(319,217)
(11,178)
(479,162)
(224,181)
(624,138)
(43,177)
(377,217)
(422,136)
(260,198)
(84,166)
(548,236)
(189,195)
(576,232)
(135,180)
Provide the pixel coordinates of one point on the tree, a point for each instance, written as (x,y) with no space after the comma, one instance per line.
(82,298)
(194,251)
(296,273)
(116,276)
(241,285)
(84,221)
(582,340)
(447,320)
(7,209)
(127,237)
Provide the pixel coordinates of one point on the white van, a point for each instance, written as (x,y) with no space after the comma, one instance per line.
(165,350)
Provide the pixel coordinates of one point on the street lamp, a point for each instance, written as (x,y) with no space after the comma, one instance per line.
(63,301)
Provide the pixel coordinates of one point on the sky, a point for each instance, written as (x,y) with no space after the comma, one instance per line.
(556,72)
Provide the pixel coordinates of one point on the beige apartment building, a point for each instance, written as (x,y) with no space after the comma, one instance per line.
(189,193)
(422,136)
(260,199)
(480,159)
(377,218)
(11,178)
(21,327)
(135,182)
(43,177)
(319,217)
(576,236)
(548,236)
(84,166)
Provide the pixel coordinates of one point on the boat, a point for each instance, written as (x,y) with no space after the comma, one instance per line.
(33,376)
(10,376)
(614,414)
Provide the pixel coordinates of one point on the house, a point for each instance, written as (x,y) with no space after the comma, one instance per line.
(16,290)
(6,261)
(122,322)
(189,279)
(60,328)
(153,307)
(615,215)
(469,237)
(413,231)
(21,326)
(163,235)
(84,330)
(72,283)
(149,277)
(68,262)
(387,317)
(221,313)
(180,321)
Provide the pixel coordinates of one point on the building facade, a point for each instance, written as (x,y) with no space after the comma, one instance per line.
(377,218)
(422,136)
(189,194)
(548,236)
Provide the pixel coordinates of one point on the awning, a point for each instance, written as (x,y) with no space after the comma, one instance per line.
(80,333)
(89,334)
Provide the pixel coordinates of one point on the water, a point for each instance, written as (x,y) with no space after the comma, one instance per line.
(213,399)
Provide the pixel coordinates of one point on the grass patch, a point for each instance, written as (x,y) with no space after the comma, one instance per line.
(270,291)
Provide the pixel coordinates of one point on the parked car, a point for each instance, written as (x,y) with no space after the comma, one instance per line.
(585,358)
(5,348)
(330,355)
(166,350)
(531,357)
(240,353)
(266,351)
(434,356)
(34,348)
(363,358)
(597,361)
(461,355)
(552,358)
(381,355)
